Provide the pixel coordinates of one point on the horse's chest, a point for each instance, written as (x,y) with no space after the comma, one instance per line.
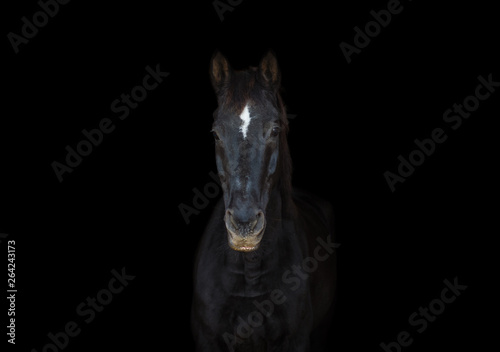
(268,317)
(251,304)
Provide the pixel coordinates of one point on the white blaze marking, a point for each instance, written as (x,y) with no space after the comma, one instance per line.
(245,121)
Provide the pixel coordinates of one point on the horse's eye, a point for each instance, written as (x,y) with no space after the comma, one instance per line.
(275,131)
(216,136)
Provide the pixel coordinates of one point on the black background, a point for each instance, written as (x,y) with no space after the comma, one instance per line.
(119,207)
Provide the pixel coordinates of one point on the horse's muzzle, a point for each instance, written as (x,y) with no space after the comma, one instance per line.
(244,233)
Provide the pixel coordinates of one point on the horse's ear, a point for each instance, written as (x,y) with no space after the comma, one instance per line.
(269,69)
(220,71)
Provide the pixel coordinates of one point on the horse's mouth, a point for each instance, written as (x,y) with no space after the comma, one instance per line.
(247,243)
(245,248)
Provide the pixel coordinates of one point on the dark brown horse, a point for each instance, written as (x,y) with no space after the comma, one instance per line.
(265,269)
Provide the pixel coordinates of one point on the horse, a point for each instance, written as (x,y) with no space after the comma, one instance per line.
(265,268)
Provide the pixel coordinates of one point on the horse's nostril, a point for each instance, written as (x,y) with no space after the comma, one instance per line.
(251,226)
(259,222)
(230,217)
(243,224)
